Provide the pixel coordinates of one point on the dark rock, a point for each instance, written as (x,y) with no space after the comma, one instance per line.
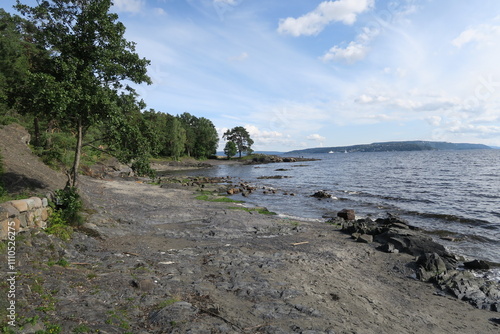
(412,243)
(479,292)
(365,238)
(347,214)
(321,194)
(176,313)
(388,248)
(233,191)
(477,265)
(273,177)
(430,265)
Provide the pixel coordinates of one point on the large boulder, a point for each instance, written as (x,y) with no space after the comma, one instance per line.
(483,294)
(347,214)
(430,265)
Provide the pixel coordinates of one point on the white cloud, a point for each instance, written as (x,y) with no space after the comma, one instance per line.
(368,99)
(316,137)
(355,51)
(350,54)
(314,22)
(434,120)
(128,6)
(265,138)
(482,35)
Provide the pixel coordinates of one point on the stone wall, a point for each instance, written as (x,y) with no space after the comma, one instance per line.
(23,214)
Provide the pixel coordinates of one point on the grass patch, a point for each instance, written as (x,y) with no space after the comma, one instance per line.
(216,198)
(262,211)
(61,262)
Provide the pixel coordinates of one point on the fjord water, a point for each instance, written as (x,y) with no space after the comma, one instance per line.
(449,193)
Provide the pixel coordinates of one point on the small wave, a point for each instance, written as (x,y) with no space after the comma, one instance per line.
(396,199)
(455,219)
(290,217)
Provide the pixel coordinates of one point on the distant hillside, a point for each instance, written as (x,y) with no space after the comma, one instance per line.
(394,146)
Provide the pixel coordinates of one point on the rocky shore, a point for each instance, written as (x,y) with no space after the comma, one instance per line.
(175,257)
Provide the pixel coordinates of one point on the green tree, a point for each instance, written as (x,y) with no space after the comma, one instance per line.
(206,138)
(188,122)
(240,136)
(175,138)
(230,149)
(201,136)
(89,60)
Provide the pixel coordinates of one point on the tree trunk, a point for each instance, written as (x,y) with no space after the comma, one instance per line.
(73,175)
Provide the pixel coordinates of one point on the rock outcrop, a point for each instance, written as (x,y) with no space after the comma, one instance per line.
(433,262)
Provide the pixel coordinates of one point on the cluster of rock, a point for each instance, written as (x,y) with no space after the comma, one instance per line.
(321,194)
(433,262)
(192,181)
(20,215)
(244,188)
(265,159)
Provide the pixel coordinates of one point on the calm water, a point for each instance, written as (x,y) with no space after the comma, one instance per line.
(452,192)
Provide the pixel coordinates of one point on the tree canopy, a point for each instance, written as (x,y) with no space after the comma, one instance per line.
(230,149)
(241,138)
(64,69)
(89,58)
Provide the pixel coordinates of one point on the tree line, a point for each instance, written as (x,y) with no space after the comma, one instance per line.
(64,72)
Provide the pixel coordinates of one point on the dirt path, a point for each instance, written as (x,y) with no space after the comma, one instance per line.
(171,264)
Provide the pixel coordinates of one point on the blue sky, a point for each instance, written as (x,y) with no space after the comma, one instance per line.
(306,73)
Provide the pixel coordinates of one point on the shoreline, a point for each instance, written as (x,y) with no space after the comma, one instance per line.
(153,259)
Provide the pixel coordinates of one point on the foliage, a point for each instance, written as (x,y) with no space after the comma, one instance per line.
(240,136)
(58,227)
(262,211)
(175,138)
(89,59)
(201,136)
(13,61)
(220,199)
(69,204)
(65,213)
(64,66)
(230,149)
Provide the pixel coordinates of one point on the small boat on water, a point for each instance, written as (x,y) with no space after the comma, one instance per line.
(331,152)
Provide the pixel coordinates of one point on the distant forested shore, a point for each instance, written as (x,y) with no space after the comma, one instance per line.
(394,146)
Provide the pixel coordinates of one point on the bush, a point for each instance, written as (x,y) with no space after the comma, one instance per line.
(68,204)
(58,227)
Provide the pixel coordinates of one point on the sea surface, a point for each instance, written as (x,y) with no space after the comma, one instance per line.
(448,193)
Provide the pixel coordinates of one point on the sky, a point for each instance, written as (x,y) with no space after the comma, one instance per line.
(306,73)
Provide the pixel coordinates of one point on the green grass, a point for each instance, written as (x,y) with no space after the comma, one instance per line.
(262,211)
(215,198)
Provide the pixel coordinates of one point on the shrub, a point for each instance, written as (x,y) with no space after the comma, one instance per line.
(69,204)
(65,213)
